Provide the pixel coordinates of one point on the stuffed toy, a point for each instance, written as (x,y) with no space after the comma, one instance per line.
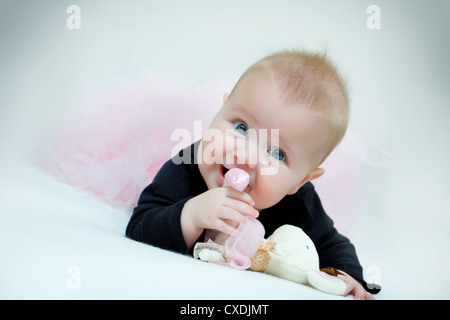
(288,253)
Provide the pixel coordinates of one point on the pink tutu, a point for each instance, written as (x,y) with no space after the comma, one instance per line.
(116,138)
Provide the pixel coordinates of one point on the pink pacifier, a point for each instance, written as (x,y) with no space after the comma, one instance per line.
(245,241)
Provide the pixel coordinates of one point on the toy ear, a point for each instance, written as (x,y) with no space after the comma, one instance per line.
(326,283)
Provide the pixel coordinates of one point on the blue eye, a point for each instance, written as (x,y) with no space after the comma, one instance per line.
(277,154)
(240,127)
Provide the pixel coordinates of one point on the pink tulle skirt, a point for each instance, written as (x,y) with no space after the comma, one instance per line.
(114,139)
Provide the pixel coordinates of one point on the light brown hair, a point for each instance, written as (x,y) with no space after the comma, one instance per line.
(310,80)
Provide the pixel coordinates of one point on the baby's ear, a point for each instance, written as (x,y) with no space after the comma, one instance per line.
(316,173)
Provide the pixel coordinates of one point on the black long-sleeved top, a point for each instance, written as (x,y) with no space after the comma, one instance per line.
(156,219)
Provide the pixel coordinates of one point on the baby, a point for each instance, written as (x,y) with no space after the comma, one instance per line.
(282,119)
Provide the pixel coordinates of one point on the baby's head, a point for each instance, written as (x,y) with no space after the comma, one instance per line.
(284,116)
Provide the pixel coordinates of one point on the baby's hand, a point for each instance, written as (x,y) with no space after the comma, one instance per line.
(219,209)
(354,288)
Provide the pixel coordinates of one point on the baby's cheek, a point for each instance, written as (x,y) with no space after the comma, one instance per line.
(212,152)
(266,194)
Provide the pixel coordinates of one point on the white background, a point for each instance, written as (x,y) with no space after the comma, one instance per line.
(398,78)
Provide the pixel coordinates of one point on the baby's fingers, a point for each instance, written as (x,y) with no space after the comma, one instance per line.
(242,207)
(232,217)
(224,227)
(229,220)
(240,195)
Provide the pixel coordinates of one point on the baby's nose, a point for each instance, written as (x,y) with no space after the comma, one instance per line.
(246,157)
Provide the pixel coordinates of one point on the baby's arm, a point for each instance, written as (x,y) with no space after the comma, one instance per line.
(210,209)
(334,249)
(156,219)
(170,215)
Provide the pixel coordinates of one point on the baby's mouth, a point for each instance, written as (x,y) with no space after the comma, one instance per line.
(222,172)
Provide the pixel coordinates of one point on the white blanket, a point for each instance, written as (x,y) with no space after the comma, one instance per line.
(57,243)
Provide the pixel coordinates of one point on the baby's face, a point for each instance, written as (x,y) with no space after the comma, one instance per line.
(254,130)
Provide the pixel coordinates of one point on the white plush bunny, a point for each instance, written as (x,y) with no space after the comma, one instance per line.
(294,257)
(288,253)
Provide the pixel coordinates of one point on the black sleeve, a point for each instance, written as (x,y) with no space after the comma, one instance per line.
(156,218)
(334,249)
